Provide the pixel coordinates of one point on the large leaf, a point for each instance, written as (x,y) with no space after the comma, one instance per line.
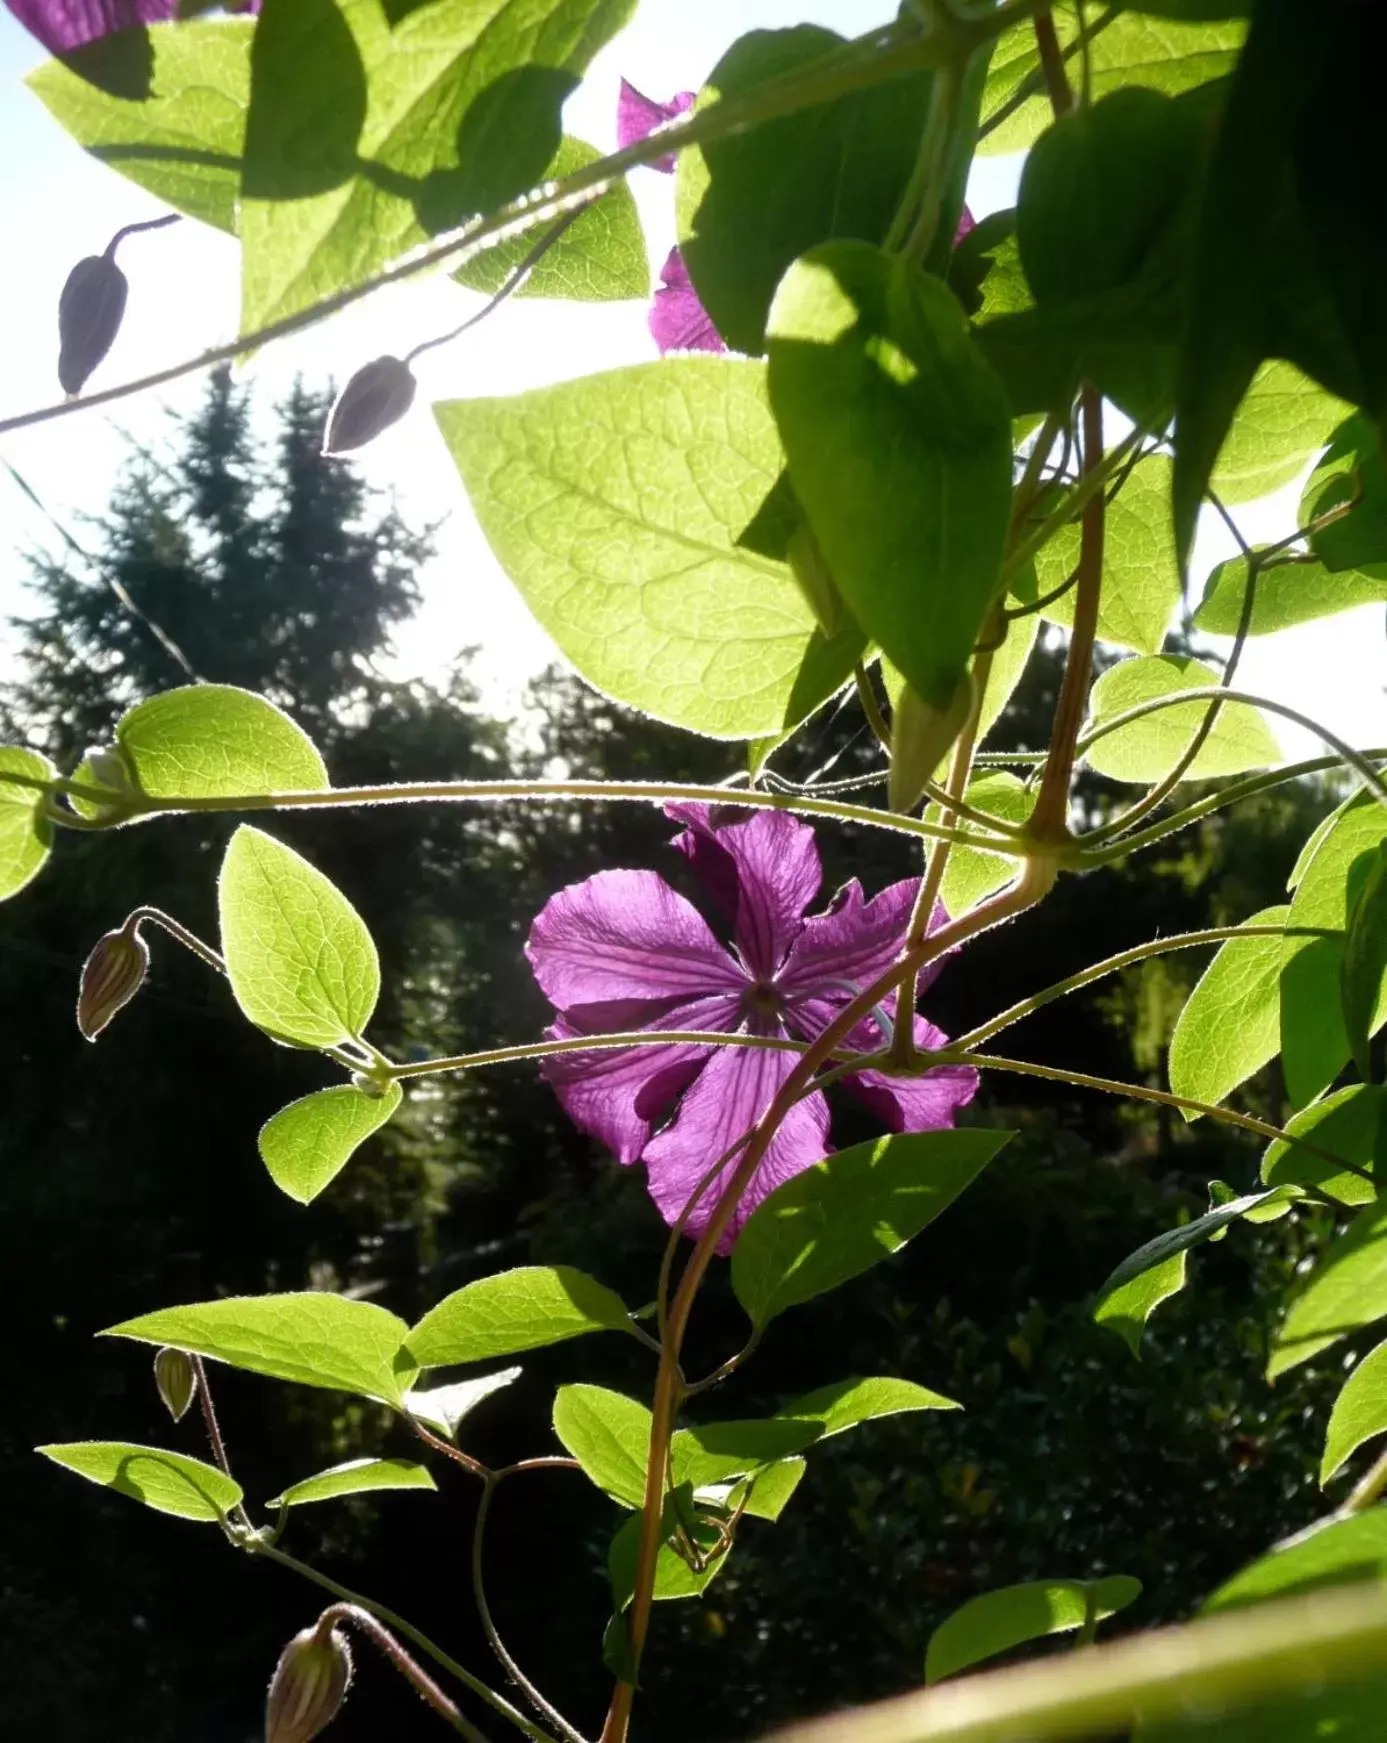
(1363,971)
(1282,420)
(1351,1123)
(374,125)
(211,741)
(314,1339)
(844,1215)
(166,1481)
(300,960)
(182,135)
(1359,1413)
(356,1477)
(898,434)
(1347,1290)
(1286,593)
(26,836)
(751,204)
(1230,1025)
(306,1145)
(1148,748)
(515,1310)
(1327,1554)
(1314,1041)
(599,258)
(609,1435)
(998,1621)
(675,1577)
(631,511)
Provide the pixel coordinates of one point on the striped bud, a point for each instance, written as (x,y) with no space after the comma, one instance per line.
(378,395)
(111,976)
(90,310)
(309,1685)
(176,1380)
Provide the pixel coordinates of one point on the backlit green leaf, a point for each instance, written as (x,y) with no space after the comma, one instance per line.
(1127,1308)
(1363,970)
(1282,420)
(300,960)
(1287,592)
(209,741)
(1351,1123)
(314,1339)
(629,510)
(1326,1554)
(768,1493)
(1146,749)
(845,1404)
(1350,475)
(998,1621)
(26,837)
(1347,1290)
(516,1310)
(1231,1023)
(675,1577)
(1359,1413)
(166,1481)
(356,1477)
(306,1145)
(715,1451)
(971,874)
(444,1407)
(609,1435)
(844,1215)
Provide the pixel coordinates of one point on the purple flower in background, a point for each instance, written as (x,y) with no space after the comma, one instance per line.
(637,117)
(622,950)
(61,25)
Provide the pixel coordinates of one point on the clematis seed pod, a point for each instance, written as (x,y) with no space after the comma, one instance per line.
(308,1687)
(111,976)
(176,1380)
(378,395)
(90,310)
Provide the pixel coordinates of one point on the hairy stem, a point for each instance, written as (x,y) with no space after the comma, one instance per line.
(417,1678)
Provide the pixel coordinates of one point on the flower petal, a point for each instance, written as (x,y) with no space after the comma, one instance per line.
(66,24)
(730,1094)
(678,320)
(966,222)
(854,941)
(624,935)
(637,117)
(917,1104)
(761,869)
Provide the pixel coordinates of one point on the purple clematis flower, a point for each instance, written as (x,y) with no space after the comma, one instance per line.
(637,117)
(623,950)
(61,25)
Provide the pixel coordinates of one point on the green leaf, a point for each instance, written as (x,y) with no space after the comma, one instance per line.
(609,1435)
(840,170)
(313,1339)
(298,955)
(1326,1554)
(600,258)
(166,1481)
(845,1214)
(715,1451)
(356,1477)
(1127,1308)
(1351,1123)
(181,135)
(1314,1041)
(898,434)
(985,273)
(1350,472)
(970,873)
(1141,578)
(1288,592)
(768,1492)
(515,1310)
(1359,1413)
(998,1621)
(845,1404)
(629,511)
(306,1145)
(674,1578)
(410,120)
(1282,419)
(1363,970)
(211,741)
(26,836)
(1148,748)
(1347,1290)
(1230,1025)
(444,1407)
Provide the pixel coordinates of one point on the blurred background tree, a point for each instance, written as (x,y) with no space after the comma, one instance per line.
(129,1179)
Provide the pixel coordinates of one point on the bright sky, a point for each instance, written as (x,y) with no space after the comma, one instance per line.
(56,205)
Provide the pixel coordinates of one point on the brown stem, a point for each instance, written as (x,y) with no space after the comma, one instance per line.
(414,1674)
(214,1433)
(1052,63)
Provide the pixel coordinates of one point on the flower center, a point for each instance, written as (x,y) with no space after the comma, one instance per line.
(762,1000)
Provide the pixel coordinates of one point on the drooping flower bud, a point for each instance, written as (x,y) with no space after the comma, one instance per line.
(111,976)
(308,1687)
(90,311)
(378,395)
(176,1379)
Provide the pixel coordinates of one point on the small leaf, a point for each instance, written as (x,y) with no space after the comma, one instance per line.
(845,1404)
(716,1451)
(26,836)
(971,874)
(1359,1413)
(306,1145)
(1287,593)
(1351,1123)
(1146,749)
(1347,1290)
(444,1407)
(1127,1308)
(1230,1025)
(768,1492)
(516,1310)
(299,957)
(609,1435)
(1363,971)
(166,1481)
(356,1477)
(998,1621)
(1350,474)
(844,1215)
(1326,1554)
(314,1339)
(674,1577)
(211,741)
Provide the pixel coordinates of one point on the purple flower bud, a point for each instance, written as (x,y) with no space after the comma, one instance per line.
(378,395)
(111,976)
(176,1380)
(89,316)
(308,1687)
